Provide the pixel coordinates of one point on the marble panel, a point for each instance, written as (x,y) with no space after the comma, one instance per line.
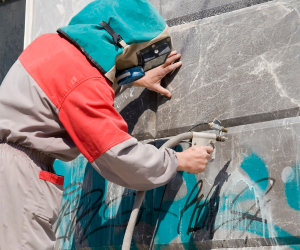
(157,5)
(139,106)
(51,15)
(233,71)
(248,197)
(179,12)
(12,20)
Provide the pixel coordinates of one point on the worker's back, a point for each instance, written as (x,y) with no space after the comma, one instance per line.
(34,91)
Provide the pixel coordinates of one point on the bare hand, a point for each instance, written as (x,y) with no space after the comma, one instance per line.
(194,159)
(153,77)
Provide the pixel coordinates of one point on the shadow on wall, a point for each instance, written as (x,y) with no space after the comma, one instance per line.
(134,110)
(147,100)
(12,21)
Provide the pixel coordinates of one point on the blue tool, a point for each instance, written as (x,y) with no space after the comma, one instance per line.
(130,75)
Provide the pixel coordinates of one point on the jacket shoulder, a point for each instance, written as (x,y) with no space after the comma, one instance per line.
(57,66)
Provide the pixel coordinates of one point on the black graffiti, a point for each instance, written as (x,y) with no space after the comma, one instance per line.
(82,208)
(247,215)
(206,209)
(77,210)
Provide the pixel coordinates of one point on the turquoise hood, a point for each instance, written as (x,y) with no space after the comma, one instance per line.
(137,21)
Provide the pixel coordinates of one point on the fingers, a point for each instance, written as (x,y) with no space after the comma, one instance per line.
(172,58)
(195,159)
(205,152)
(208,157)
(159,89)
(209,149)
(174,52)
(172,67)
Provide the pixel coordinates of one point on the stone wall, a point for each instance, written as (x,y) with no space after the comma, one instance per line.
(248,197)
(240,64)
(241,67)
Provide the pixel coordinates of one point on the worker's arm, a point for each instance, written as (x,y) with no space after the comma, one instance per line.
(137,166)
(100,133)
(142,166)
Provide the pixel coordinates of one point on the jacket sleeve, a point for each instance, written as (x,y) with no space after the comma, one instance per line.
(137,166)
(100,133)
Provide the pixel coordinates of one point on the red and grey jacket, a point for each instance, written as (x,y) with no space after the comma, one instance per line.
(54,100)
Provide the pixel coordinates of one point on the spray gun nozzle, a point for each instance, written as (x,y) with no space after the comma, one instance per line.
(216,125)
(220,138)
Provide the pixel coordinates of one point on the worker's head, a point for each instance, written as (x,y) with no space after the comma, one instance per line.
(147,42)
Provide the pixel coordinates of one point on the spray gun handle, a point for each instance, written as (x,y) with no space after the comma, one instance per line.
(205,139)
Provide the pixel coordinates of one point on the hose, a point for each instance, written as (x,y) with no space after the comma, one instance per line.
(132,220)
(174,141)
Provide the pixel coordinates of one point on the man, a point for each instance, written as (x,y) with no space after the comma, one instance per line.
(57,101)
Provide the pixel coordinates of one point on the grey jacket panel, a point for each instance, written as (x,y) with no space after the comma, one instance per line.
(29,206)
(28,118)
(137,166)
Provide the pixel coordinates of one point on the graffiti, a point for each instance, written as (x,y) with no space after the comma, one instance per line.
(77,210)
(207,209)
(93,216)
(292,187)
(247,215)
(81,206)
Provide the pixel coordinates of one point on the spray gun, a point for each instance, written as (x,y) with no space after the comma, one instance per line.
(209,139)
(198,139)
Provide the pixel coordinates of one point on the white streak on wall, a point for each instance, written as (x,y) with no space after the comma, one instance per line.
(50,15)
(28,23)
(61,8)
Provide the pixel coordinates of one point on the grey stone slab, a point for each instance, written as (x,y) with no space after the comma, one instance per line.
(180,12)
(247,199)
(157,5)
(266,248)
(259,161)
(233,71)
(12,19)
(48,16)
(139,106)
(261,153)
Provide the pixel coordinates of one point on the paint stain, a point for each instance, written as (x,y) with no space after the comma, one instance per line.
(61,168)
(291,188)
(287,175)
(256,169)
